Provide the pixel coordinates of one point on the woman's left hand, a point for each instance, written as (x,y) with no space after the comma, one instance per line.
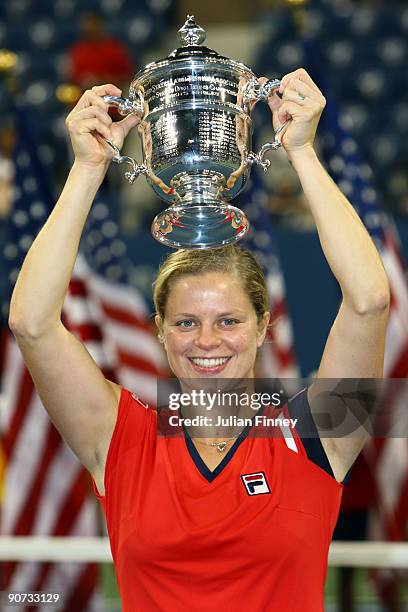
(302,103)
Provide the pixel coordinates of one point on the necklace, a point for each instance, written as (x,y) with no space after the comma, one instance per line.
(221,446)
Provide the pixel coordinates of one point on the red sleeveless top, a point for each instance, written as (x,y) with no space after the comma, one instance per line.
(251,535)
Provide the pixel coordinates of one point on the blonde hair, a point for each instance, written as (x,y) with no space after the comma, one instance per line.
(230,259)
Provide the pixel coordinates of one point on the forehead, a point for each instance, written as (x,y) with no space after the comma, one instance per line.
(208,291)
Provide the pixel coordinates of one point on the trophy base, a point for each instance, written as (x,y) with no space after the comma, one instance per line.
(200,227)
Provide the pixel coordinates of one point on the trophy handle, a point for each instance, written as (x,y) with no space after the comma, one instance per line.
(125,107)
(254,91)
(137,169)
(258,158)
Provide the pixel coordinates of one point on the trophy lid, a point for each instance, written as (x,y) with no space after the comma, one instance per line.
(191,37)
(191,33)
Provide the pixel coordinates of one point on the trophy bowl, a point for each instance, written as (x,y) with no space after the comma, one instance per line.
(196,132)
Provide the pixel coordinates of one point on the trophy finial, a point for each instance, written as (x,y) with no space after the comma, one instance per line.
(191,33)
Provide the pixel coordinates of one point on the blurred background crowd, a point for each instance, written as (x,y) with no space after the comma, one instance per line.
(357,51)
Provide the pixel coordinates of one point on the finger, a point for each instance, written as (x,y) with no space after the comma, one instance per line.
(293,95)
(89,98)
(129,122)
(285,80)
(274,102)
(287,111)
(303,76)
(103,90)
(102,140)
(304,89)
(93,111)
(92,125)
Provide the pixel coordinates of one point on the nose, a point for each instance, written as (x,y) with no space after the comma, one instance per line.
(207,337)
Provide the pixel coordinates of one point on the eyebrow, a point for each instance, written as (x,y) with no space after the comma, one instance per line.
(223,314)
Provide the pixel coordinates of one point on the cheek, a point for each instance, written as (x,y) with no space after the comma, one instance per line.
(176,342)
(244,341)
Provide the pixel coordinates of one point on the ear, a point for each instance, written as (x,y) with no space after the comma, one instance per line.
(159,325)
(262,329)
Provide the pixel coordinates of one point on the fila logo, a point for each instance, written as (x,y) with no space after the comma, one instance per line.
(255,484)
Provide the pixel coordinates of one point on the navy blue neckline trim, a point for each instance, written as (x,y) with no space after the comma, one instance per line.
(202,466)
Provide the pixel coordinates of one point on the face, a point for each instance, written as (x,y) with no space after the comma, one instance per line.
(210,328)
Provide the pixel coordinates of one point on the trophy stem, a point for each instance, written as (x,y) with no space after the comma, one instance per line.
(202,187)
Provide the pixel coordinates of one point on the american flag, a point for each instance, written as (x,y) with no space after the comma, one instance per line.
(37,500)
(110,319)
(386,457)
(277,358)
(355,179)
(117,306)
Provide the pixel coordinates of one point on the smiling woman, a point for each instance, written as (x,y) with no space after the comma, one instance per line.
(227,317)
(234,519)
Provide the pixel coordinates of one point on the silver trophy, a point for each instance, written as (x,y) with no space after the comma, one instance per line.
(196,131)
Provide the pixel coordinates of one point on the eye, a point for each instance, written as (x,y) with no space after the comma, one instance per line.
(229,322)
(185,323)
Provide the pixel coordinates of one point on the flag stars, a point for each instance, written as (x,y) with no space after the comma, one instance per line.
(346,187)
(114,272)
(100,211)
(103,255)
(94,238)
(37,210)
(17,193)
(337,164)
(118,248)
(351,171)
(109,229)
(25,242)
(349,146)
(10,251)
(13,275)
(368,195)
(30,184)
(373,219)
(20,218)
(365,172)
(46,154)
(23,160)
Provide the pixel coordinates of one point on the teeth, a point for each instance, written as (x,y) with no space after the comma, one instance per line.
(209,363)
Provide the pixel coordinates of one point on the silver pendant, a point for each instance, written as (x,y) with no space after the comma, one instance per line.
(220,445)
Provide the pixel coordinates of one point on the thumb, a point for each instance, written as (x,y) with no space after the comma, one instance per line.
(129,122)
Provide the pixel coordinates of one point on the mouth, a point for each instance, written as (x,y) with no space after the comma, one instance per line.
(209,364)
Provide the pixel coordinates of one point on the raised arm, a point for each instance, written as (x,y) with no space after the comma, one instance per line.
(355,345)
(80,401)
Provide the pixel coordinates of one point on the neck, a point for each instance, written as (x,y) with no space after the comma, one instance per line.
(219,407)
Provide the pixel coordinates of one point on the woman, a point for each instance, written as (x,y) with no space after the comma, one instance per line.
(238,522)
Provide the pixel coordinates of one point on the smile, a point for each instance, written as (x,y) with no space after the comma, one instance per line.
(209,362)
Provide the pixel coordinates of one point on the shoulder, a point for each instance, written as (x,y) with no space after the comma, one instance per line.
(134,415)
(299,410)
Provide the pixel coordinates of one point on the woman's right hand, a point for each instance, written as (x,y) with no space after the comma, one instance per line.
(89,122)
